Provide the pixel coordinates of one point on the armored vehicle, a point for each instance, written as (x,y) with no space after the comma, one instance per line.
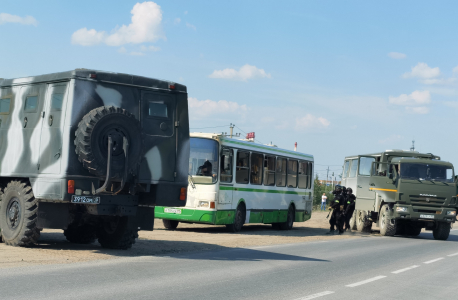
(92,153)
(402,192)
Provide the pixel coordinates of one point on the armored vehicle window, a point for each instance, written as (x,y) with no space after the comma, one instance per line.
(226,165)
(365,164)
(430,172)
(5,105)
(353,168)
(303,173)
(281,172)
(256,168)
(31,104)
(157,109)
(243,163)
(345,169)
(292,173)
(56,102)
(269,171)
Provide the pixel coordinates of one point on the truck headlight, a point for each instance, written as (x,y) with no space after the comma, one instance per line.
(203,204)
(401,209)
(451,213)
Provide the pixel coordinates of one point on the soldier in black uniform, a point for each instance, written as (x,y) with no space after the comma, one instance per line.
(337,212)
(349,208)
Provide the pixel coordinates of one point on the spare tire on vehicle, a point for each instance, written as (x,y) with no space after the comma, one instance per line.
(91,141)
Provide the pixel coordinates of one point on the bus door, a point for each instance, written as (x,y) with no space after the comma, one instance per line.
(226,176)
(364,194)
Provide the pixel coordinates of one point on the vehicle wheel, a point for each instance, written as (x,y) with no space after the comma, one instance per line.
(18,215)
(91,140)
(353,221)
(239,219)
(441,231)
(362,223)
(412,230)
(115,233)
(84,234)
(170,224)
(276,226)
(386,228)
(288,225)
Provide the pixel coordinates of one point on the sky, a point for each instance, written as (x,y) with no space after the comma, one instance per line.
(338,77)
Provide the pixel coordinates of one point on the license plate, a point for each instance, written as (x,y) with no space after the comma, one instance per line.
(172,210)
(427,216)
(85,199)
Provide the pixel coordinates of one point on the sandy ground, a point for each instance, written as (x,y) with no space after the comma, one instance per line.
(53,248)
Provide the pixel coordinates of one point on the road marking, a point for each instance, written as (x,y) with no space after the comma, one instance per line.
(453,254)
(316,295)
(434,260)
(405,269)
(365,281)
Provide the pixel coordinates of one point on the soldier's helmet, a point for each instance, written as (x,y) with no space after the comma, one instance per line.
(349,191)
(337,189)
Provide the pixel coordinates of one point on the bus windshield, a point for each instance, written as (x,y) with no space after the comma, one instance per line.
(203,161)
(427,172)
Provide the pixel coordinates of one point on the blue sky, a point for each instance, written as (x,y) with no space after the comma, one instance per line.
(339,78)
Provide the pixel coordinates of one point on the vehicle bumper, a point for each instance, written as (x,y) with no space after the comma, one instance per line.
(418,213)
(214,217)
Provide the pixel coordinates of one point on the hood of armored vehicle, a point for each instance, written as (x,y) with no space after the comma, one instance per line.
(427,192)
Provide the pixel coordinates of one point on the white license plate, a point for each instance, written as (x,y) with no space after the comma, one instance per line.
(427,216)
(172,210)
(85,199)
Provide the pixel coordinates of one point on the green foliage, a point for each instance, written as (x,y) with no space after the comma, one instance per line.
(318,191)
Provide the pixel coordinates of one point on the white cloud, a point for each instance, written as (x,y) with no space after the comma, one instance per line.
(440,81)
(27,20)
(190,26)
(201,109)
(422,70)
(416,98)
(453,104)
(311,121)
(136,53)
(150,48)
(244,73)
(176,21)
(421,110)
(122,50)
(145,27)
(455,70)
(397,55)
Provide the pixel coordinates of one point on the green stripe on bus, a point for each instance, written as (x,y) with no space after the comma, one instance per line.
(268,148)
(230,188)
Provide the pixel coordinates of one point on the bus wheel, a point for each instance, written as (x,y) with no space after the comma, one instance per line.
(441,231)
(239,219)
(362,223)
(288,225)
(386,228)
(170,224)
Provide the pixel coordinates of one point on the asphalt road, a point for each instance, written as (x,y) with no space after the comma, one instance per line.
(371,267)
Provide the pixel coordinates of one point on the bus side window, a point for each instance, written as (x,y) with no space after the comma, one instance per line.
(292,173)
(310,174)
(269,171)
(256,168)
(226,165)
(243,167)
(303,175)
(281,172)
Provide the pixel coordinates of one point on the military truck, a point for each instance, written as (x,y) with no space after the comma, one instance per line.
(92,153)
(402,192)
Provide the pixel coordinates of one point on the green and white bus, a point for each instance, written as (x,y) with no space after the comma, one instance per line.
(233,182)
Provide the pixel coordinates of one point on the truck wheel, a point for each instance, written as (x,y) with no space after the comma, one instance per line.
(288,225)
(18,215)
(353,221)
(386,228)
(115,233)
(239,219)
(170,224)
(362,223)
(441,231)
(91,140)
(412,230)
(84,234)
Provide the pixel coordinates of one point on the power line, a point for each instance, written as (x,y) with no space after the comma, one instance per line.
(209,127)
(247,133)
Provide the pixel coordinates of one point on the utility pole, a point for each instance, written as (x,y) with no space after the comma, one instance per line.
(327,177)
(231,127)
(332,180)
(413,146)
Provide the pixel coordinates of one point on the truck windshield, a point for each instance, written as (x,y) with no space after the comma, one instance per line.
(427,172)
(203,161)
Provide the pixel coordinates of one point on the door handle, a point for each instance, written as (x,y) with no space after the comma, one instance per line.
(360,187)
(372,184)
(50,120)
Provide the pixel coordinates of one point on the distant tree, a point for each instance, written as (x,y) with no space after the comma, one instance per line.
(318,191)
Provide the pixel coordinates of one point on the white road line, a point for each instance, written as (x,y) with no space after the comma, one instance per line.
(316,295)
(405,269)
(454,254)
(434,260)
(365,281)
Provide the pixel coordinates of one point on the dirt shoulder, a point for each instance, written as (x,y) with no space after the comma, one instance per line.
(53,248)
